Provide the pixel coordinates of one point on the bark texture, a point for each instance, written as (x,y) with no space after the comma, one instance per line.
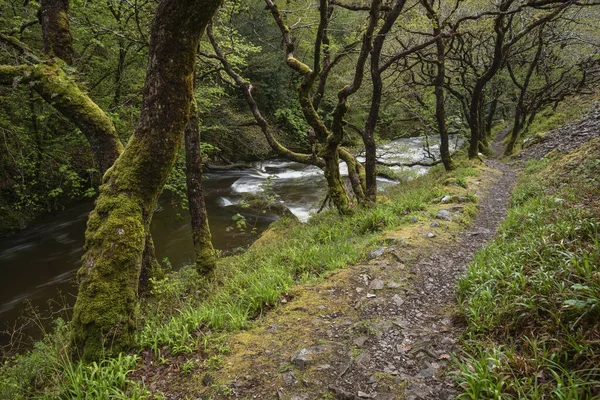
(56,30)
(203,248)
(104,316)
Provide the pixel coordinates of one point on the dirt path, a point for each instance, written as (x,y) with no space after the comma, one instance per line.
(423,336)
(380,330)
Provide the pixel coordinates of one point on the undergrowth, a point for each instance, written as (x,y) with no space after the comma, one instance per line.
(187,313)
(531,298)
(47,372)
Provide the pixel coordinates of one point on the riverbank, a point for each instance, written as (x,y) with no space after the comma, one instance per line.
(189,313)
(40,262)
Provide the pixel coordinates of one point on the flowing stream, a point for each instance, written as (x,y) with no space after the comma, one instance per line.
(38,265)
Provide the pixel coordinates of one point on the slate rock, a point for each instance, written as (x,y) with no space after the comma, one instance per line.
(376,284)
(444,214)
(360,341)
(375,254)
(397,300)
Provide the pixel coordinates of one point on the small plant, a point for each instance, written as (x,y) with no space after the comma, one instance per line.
(215,362)
(188,366)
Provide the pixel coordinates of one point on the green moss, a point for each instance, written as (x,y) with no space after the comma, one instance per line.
(105,315)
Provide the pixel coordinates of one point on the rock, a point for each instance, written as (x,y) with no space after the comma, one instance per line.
(363,358)
(435,224)
(401,323)
(371,295)
(376,284)
(480,231)
(462,199)
(390,371)
(323,367)
(428,371)
(208,380)
(446,199)
(444,214)
(342,394)
(414,219)
(375,254)
(393,285)
(258,203)
(364,395)
(397,300)
(302,357)
(430,235)
(384,396)
(360,341)
(289,378)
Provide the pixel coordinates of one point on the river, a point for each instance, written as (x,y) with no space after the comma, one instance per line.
(38,265)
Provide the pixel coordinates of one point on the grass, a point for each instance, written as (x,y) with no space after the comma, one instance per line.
(190,314)
(47,372)
(531,298)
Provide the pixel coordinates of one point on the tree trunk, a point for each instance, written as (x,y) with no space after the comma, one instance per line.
(105,314)
(440,107)
(520,114)
(54,19)
(203,248)
(489,121)
(335,185)
(478,95)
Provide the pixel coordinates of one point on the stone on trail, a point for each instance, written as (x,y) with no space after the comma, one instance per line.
(360,341)
(302,357)
(376,284)
(375,254)
(397,300)
(444,214)
(430,235)
(446,199)
(393,285)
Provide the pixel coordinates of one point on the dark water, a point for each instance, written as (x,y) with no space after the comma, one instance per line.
(40,262)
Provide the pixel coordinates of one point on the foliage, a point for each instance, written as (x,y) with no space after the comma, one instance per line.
(531,298)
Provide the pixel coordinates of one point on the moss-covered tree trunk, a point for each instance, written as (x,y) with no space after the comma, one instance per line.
(54,86)
(104,316)
(201,237)
(56,31)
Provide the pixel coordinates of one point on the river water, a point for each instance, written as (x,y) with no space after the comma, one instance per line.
(38,265)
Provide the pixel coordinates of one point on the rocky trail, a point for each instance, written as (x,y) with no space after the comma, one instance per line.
(418,334)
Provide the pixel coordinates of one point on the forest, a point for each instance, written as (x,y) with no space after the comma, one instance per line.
(328,199)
